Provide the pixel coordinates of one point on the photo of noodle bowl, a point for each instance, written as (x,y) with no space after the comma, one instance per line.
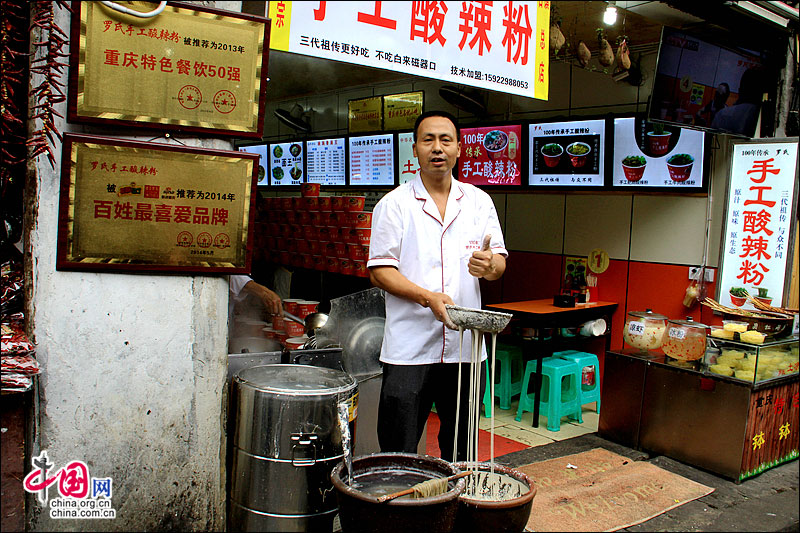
(495,141)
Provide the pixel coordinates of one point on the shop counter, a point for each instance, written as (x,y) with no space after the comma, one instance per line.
(734,427)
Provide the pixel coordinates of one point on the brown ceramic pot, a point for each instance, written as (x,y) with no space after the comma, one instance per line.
(496,516)
(361,512)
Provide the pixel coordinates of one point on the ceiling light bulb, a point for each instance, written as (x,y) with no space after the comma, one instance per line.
(610,16)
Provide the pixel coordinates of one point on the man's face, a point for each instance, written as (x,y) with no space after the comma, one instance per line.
(437,146)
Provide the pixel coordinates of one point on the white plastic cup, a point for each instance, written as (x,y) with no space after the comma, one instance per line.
(593,328)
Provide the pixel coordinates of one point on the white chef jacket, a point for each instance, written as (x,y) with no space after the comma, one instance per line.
(408,233)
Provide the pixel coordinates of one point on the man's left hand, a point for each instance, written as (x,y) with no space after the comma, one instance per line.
(481,264)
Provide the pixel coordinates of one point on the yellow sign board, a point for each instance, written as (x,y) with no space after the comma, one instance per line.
(189,68)
(365,114)
(128,205)
(400,111)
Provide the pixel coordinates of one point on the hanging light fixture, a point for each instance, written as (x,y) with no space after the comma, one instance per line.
(610,16)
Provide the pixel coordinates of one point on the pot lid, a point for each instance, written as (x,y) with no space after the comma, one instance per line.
(689,322)
(296,380)
(648,314)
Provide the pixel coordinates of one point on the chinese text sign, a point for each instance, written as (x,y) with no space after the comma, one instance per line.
(129,205)
(502,46)
(758,220)
(491,155)
(186,68)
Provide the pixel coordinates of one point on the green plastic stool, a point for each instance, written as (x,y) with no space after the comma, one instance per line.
(559,394)
(587,392)
(508,365)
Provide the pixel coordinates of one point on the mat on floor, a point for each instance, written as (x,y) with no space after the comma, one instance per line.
(601,491)
(502,445)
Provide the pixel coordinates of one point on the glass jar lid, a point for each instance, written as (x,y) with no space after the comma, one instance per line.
(689,322)
(647,314)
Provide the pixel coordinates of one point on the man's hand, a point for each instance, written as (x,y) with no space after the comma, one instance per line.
(392,281)
(270,299)
(481,264)
(436,301)
(484,264)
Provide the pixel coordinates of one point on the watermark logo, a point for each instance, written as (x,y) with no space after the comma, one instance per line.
(80,496)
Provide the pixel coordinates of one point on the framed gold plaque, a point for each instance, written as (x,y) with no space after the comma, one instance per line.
(189,69)
(136,206)
(400,111)
(365,114)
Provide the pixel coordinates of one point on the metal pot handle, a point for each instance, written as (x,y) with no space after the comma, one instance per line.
(304,449)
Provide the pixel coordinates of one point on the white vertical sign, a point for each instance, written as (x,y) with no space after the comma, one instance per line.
(758,221)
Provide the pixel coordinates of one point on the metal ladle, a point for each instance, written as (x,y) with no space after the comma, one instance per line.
(311,324)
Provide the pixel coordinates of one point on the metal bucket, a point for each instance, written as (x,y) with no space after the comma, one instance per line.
(286,443)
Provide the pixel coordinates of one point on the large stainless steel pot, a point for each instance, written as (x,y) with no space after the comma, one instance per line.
(286,442)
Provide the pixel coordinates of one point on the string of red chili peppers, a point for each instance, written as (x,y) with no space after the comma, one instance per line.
(13,22)
(50,66)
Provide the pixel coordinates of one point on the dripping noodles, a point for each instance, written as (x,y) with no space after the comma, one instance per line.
(487,486)
(494,486)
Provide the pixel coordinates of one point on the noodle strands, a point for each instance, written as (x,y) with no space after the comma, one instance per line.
(426,489)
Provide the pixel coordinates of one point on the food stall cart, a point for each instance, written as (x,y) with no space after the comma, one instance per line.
(733,426)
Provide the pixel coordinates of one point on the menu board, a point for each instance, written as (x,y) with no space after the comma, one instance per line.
(286,164)
(408,165)
(646,156)
(372,160)
(567,153)
(261,150)
(491,155)
(325,161)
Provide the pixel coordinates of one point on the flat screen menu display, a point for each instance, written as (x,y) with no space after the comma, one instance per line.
(372,160)
(286,164)
(491,155)
(326,161)
(656,155)
(408,165)
(570,154)
(703,84)
(261,150)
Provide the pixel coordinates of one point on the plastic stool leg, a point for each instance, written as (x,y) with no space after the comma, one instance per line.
(524,401)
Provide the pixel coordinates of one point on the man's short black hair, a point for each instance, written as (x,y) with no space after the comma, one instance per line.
(443,114)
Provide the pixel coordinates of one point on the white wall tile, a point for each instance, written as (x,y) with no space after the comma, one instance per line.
(500,205)
(668,229)
(597,221)
(535,222)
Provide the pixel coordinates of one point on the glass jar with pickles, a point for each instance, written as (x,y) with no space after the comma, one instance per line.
(644,330)
(685,340)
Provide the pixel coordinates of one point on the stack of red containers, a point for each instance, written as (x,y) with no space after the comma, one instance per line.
(329,233)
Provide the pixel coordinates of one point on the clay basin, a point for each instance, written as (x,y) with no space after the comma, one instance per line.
(496,515)
(386,473)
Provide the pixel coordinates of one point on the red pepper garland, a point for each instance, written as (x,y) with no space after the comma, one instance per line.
(13,60)
(50,91)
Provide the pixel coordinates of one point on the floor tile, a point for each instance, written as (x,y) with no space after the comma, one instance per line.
(522,435)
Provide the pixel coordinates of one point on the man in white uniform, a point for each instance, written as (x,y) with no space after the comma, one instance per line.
(426,251)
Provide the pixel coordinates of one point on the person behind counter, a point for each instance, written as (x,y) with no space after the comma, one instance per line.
(426,252)
(241,285)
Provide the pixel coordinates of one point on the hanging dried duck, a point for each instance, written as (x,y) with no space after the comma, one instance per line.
(584,55)
(605,55)
(557,38)
(623,55)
